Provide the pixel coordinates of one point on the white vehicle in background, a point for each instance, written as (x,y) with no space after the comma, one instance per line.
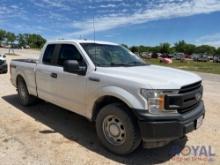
(2,57)
(3,64)
(179,56)
(200,57)
(130,101)
(216,58)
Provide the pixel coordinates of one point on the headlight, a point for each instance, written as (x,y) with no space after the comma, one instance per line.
(156,100)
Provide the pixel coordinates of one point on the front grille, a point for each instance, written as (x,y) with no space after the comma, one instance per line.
(184,110)
(187,99)
(189,93)
(191,87)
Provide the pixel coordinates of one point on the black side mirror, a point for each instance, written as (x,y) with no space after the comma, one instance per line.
(72,66)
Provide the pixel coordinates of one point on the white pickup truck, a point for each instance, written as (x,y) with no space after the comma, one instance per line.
(130,101)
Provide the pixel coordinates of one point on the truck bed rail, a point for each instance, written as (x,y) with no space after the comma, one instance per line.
(26,60)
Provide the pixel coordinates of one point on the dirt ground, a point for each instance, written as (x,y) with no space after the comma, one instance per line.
(45,134)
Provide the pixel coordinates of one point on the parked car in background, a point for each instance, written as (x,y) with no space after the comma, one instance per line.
(203,58)
(146,55)
(2,56)
(216,59)
(210,58)
(195,57)
(179,56)
(189,56)
(200,57)
(165,56)
(3,64)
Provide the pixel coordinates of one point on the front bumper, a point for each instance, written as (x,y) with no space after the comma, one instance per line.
(166,128)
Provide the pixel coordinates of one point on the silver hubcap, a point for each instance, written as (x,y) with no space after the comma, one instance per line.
(114,130)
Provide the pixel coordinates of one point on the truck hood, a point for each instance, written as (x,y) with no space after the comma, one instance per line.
(152,76)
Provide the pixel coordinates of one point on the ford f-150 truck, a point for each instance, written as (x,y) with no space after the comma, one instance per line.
(130,101)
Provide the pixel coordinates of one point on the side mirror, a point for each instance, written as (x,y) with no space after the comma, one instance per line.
(72,66)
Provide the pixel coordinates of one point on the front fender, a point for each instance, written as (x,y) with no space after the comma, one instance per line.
(123,95)
(127,97)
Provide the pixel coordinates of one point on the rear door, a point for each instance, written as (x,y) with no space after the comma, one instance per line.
(46,74)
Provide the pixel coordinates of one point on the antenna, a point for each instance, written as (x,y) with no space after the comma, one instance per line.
(94,38)
(94,28)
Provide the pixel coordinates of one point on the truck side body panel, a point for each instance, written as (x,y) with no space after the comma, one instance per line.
(27,72)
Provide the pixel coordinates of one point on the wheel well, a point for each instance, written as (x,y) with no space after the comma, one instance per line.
(103,101)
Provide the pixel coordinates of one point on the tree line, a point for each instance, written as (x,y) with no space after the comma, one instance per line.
(37,41)
(181,47)
(21,40)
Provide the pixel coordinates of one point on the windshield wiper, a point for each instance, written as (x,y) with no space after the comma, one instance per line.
(136,63)
(118,64)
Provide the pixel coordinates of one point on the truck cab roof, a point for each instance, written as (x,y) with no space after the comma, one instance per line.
(79,42)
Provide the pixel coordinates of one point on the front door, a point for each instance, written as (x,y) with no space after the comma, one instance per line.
(70,88)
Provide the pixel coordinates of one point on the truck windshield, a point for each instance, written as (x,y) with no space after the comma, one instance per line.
(111,55)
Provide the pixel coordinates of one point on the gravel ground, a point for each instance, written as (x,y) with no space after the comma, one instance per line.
(45,134)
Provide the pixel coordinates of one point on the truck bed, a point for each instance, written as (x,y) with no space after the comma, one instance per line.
(26,69)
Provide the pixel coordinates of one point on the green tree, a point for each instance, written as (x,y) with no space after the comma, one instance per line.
(134,49)
(180,46)
(189,49)
(2,35)
(210,50)
(164,48)
(21,40)
(37,41)
(172,50)
(184,47)
(217,52)
(155,49)
(34,40)
(142,48)
(10,37)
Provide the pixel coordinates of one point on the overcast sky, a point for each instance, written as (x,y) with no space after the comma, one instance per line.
(147,22)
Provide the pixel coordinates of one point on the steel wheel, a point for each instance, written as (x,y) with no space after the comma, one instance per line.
(22,91)
(114,130)
(24,96)
(117,129)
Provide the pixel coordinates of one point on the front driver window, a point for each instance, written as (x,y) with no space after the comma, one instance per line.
(69,52)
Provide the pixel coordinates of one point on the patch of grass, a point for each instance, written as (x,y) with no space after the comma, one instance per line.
(208,67)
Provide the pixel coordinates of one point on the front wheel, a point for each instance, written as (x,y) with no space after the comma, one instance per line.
(117,129)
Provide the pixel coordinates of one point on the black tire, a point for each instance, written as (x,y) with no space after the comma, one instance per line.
(24,97)
(131,139)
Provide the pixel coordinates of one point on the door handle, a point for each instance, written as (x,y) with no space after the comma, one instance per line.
(94,79)
(53,75)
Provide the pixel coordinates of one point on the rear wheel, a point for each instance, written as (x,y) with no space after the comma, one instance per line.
(117,129)
(24,97)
